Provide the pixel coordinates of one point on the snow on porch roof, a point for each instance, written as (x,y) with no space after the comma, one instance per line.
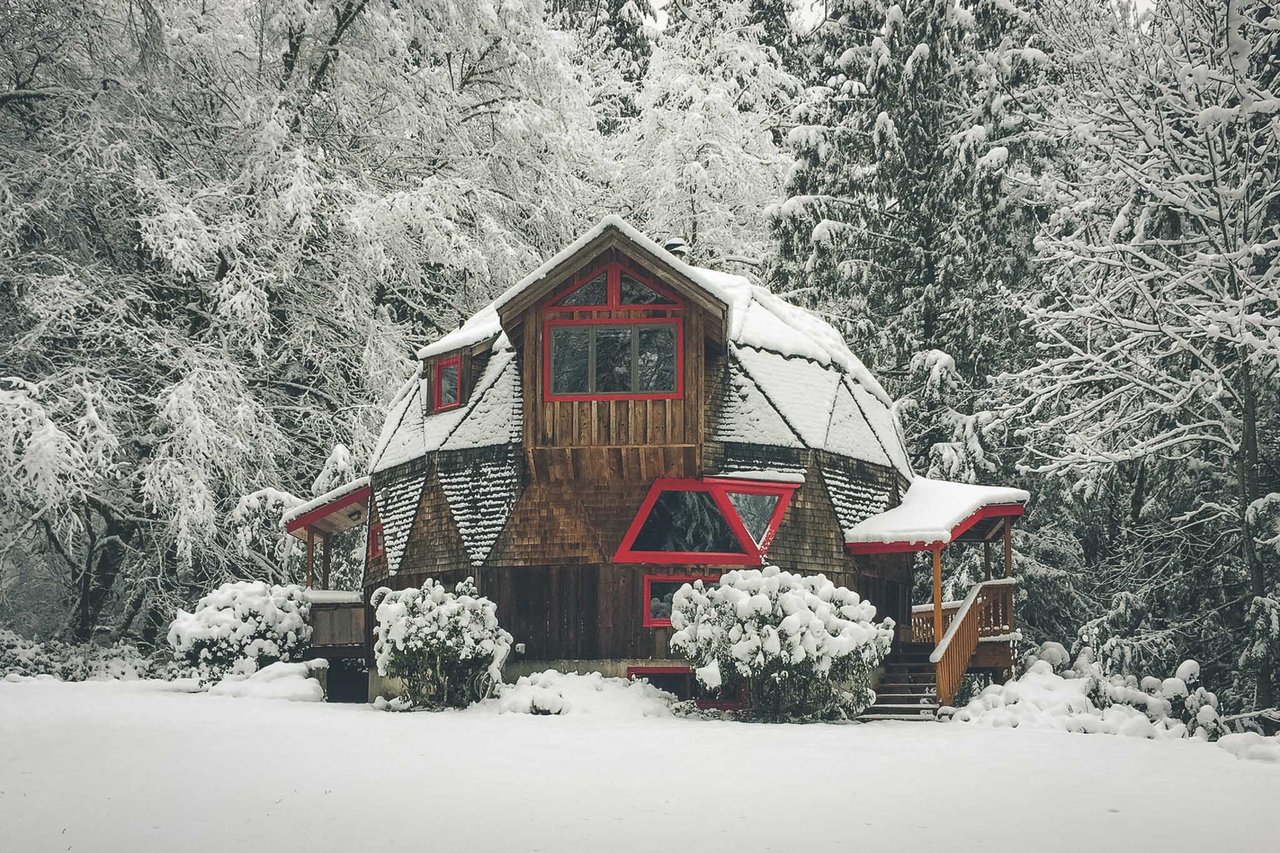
(757,318)
(320,512)
(933,513)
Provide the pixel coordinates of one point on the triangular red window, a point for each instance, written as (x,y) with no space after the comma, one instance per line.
(590,294)
(706,522)
(633,292)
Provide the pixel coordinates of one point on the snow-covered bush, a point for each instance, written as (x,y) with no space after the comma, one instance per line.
(242,627)
(292,681)
(1085,699)
(71,661)
(804,647)
(446,647)
(553,692)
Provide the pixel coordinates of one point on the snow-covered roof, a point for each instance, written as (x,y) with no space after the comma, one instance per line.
(484,324)
(328,497)
(791,380)
(757,318)
(765,475)
(931,511)
(334,596)
(491,416)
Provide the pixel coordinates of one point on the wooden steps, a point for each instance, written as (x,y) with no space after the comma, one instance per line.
(908,690)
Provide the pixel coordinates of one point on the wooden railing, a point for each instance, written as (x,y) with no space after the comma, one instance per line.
(922,621)
(987,611)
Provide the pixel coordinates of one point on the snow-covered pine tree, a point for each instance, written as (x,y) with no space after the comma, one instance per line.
(905,222)
(1158,321)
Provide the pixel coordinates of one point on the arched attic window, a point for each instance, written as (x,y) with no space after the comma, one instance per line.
(713,522)
(613,334)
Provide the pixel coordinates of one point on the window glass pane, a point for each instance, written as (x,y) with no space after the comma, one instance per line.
(613,359)
(594,292)
(448,384)
(755,512)
(656,368)
(633,292)
(686,521)
(661,596)
(569,346)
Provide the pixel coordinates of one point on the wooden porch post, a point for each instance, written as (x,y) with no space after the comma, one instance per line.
(311,555)
(328,563)
(937,595)
(986,559)
(1008,547)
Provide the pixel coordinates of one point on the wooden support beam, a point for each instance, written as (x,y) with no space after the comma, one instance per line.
(986,560)
(311,555)
(1008,547)
(328,562)
(937,595)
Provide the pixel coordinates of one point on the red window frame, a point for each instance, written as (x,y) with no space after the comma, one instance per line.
(634,672)
(454,361)
(737,702)
(377,547)
(612,313)
(650,621)
(752,554)
(551,324)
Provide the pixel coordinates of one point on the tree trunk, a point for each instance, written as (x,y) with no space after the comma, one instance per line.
(1247,477)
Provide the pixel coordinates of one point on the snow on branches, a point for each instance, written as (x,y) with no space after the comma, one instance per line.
(805,647)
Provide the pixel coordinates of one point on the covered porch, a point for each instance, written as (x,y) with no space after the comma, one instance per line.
(337,618)
(978,632)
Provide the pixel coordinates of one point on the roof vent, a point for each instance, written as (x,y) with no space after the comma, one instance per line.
(677,247)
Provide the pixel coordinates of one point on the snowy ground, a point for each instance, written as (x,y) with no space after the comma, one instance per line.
(137,767)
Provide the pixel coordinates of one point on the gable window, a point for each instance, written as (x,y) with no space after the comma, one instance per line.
(376,545)
(706,522)
(613,334)
(447,382)
(659,596)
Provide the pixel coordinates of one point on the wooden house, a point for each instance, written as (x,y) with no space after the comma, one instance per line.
(621,422)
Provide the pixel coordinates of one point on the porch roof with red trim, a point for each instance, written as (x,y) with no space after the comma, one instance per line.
(333,512)
(934,513)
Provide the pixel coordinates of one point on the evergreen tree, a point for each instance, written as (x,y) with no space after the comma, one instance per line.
(904,221)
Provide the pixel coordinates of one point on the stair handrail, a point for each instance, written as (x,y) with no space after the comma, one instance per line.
(951,656)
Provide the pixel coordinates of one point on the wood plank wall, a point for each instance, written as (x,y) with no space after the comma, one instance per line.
(615,439)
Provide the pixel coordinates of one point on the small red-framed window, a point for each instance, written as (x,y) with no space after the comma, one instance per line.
(376,545)
(613,334)
(673,679)
(711,522)
(680,681)
(446,382)
(658,593)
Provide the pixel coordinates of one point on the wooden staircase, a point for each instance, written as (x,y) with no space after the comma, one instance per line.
(924,674)
(909,688)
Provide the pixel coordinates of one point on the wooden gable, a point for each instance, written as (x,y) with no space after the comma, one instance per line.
(620,438)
